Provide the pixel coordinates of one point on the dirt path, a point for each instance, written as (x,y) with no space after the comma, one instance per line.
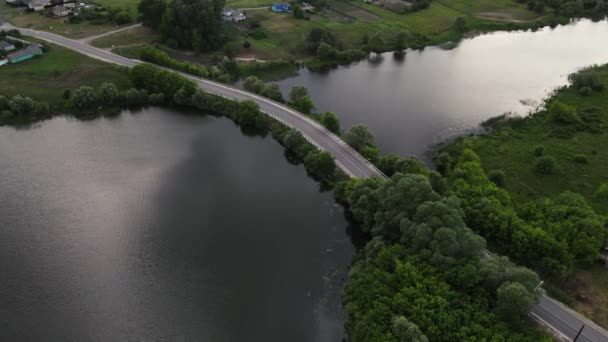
(87,40)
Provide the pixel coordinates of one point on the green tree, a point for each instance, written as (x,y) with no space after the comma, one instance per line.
(248,112)
(194,24)
(376,43)
(151,12)
(297,11)
(326,51)
(295,142)
(320,163)
(21,104)
(301,100)
(359,137)
(273,92)
(406,331)
(253,84)
(108,93)
(497,177)
(513,303)
(400,41)
(122,18)
(563,113)
(83,97)
(331,122)
(545,165)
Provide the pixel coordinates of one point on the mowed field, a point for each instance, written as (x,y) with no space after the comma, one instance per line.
(46,77)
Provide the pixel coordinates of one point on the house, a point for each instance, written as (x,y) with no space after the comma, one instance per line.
(281,7)
(59,12)
(25,54)
(6,46)
(233,15)
(307,7)
(37,5)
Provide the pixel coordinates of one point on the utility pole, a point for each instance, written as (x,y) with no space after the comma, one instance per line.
(579,333)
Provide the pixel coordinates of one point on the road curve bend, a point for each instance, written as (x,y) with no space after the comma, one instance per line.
(564,321)
(349,160)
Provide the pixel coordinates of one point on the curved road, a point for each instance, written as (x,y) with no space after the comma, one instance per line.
(346,158)
(563,321)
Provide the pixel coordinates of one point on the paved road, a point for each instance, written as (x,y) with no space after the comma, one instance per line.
(549,312)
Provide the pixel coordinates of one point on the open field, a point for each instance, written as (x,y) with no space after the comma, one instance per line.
(510,149)
(128,5)
(46,77)
(134,36)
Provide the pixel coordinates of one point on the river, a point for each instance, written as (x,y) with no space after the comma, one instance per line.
(435,94)
(163,226)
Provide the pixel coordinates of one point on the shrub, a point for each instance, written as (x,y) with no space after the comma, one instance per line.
(157,98)
(602,191)
(585,91)
(123,18)
(273,92)
(539,150)
(107,93)
(497,177)
(563,113)
(21,105)
(83,97)
(545,165)
(253,84)
(581,159)
(4,103)
(246,44)
(134,97)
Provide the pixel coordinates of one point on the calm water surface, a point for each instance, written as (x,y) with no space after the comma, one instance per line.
(435,94)
(162,226)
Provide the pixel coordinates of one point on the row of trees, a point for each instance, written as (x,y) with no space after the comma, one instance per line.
(422,272)
(551,235)
(20,107)
(190,24)
(569,8)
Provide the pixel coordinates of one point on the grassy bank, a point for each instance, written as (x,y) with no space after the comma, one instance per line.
(576,148)
(46,77)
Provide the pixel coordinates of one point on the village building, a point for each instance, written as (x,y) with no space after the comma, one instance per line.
(25,54)
(281,7)
(60,11)
(6,46)
(233,15)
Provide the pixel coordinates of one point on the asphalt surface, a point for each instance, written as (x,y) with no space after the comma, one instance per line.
(565,321)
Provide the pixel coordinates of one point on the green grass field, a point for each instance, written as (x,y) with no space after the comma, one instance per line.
(46,77)
(135,36)
(510,149)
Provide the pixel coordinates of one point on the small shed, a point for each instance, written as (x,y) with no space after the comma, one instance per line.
(25,54)
(281,7)
(6,46)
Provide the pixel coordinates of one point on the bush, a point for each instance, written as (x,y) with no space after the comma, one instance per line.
(246,44)
(21,105)
(107,94)
(563,113)
(135,98)
(539,150)
(497,177)
(253,84)
(602,191)
(273,92)
(581,159)
(585,91)
(83,98)
(123,18)
(545,165)
(331,122)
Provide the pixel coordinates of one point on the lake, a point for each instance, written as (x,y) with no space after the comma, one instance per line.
(160,225)
(435,94)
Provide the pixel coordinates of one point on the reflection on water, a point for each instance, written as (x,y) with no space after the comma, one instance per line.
(434,94)
(160,226)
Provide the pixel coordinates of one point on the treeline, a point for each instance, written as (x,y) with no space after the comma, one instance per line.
(569,8)
(190,24)
(99,15)
(424,275)
(358,137)
(551,236)
(21,108)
